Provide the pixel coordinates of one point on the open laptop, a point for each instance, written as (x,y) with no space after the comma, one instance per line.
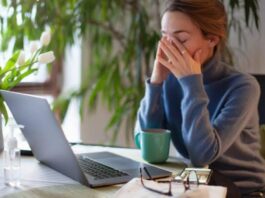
(49,145)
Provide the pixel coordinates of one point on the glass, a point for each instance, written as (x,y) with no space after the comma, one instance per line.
(190,182)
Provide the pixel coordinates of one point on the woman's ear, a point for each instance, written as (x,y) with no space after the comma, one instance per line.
(213,40)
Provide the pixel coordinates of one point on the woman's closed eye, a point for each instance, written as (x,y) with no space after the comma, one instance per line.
(182,37)
(182,41)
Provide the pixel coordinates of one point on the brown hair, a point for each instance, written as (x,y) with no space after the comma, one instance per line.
(208,15)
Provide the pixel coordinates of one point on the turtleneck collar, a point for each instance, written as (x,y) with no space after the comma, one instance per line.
(212,70)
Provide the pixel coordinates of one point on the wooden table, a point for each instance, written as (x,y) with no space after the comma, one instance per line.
(38,180)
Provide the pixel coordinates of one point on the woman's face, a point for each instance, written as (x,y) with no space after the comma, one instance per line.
(180,26)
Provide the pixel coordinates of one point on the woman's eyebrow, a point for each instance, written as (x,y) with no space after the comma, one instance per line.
(175,32)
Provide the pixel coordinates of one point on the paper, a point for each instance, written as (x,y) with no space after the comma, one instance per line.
(134,188)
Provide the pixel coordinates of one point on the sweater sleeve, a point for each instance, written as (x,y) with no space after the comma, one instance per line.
(207,140)
(151,111)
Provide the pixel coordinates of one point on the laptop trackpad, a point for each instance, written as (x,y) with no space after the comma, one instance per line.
(115,161)
(120,163)
(126,165)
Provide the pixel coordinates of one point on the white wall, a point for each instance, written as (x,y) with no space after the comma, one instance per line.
(94,122)
(71,81)
(250,56)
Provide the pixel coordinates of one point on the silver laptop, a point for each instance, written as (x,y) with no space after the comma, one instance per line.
(49,145)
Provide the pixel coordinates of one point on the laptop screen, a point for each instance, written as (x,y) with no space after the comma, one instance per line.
(43,133)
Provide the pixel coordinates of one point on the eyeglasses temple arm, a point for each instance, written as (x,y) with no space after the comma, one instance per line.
(147,172)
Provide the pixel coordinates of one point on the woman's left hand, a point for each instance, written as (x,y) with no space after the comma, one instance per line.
(179,61)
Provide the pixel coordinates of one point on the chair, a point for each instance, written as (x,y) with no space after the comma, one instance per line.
(261,108)
(261,80)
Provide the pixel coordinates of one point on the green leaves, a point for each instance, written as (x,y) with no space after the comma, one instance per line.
(61,105)
(17,67)
(252,8)
(3,109)
(11,63)
(249,9)
(11,75)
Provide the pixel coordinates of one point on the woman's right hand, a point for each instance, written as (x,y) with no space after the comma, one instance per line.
(160,72)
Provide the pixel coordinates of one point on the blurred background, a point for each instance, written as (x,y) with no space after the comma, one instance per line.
(104,51)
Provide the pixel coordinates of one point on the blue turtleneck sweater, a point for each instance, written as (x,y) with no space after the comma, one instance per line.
(213,119)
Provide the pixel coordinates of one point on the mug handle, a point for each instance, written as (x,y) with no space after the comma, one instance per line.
(137,140)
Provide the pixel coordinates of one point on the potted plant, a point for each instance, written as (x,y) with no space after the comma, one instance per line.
(18,67)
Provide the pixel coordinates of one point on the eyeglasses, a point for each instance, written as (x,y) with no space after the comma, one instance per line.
(190,181)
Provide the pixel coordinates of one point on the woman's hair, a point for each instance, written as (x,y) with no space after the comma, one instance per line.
(208,15)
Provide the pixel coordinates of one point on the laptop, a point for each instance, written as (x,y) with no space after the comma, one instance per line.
(49,145)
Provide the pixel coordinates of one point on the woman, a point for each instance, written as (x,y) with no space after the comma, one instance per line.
(210,108)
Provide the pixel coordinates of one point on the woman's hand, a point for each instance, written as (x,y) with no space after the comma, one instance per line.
(160,72)
(178,60)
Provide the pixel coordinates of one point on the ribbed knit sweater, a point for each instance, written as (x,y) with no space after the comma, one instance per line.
(213,118)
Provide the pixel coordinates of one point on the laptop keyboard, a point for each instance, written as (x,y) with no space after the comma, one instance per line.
(98,170)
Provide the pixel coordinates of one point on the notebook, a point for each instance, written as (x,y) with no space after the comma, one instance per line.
(49,145)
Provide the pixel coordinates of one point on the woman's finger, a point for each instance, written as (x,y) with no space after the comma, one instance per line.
(165,63)
(169,54)
(175,51)
(175,69)
(183,51)
(159,51)
(179,46)
(187,57)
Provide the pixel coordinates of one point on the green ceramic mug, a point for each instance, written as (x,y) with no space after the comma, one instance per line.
(154,144)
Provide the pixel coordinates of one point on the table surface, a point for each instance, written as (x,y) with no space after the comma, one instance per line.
(38,180)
